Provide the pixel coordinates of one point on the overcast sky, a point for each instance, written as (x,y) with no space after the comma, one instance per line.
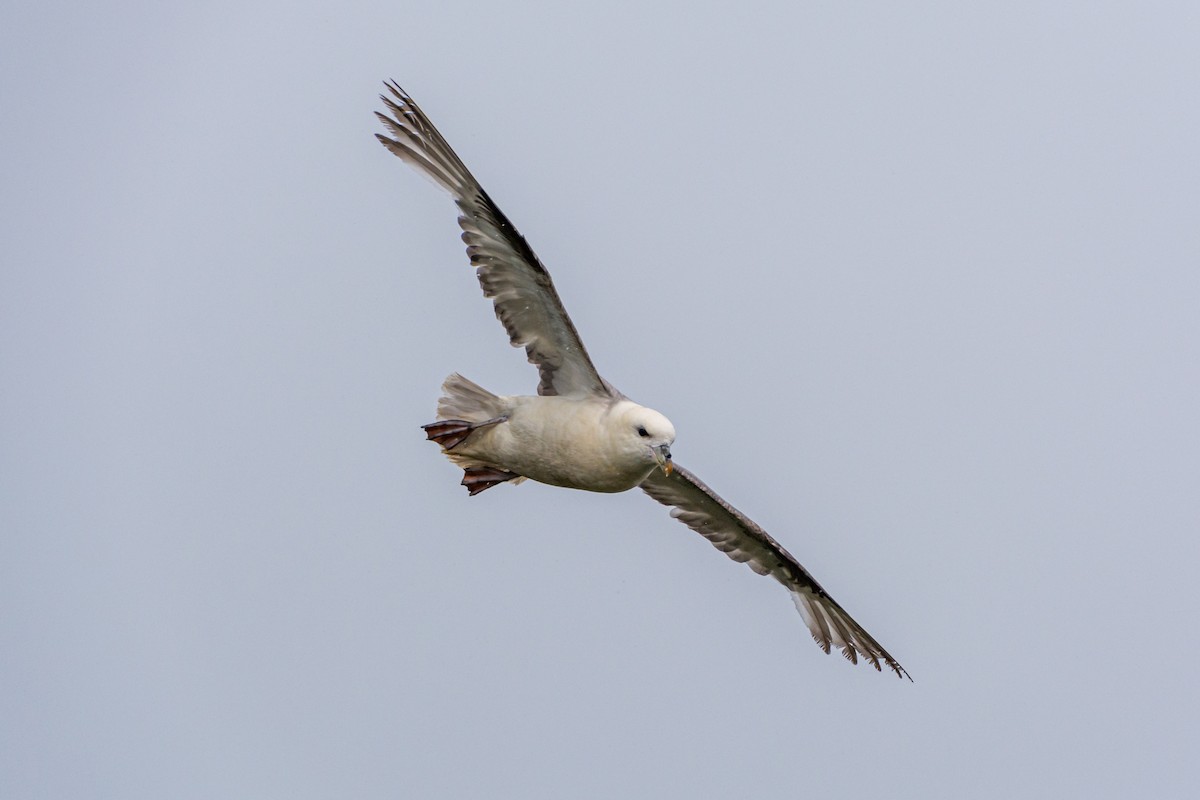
(918,285)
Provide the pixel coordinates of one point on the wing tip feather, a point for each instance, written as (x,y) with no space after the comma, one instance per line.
(838,628)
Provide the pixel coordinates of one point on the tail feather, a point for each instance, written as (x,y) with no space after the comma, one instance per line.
(465,400)
(466,407)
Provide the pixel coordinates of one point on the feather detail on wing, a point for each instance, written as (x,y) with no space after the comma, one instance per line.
(508,270)
(736,535)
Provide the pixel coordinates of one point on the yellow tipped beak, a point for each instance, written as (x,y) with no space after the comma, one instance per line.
(663,456)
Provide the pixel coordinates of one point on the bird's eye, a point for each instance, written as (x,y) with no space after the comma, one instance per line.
(641,429)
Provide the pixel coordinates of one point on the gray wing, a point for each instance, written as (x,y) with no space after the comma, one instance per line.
(736,535)
(508,270)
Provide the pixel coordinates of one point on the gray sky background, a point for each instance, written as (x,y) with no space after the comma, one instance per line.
(917,283)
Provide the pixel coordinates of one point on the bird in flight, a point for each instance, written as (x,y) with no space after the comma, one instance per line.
(579,431)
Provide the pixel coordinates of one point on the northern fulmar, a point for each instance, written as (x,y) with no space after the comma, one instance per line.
(579,431)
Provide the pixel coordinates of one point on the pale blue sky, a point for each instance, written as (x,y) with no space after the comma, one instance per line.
(918,286)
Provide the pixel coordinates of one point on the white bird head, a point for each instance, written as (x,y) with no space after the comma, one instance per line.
(645,432)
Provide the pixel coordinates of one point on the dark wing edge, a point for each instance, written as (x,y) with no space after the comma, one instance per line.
(736,535)
(509,271)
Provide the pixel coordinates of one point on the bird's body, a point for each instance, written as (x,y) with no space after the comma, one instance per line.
(579,432)
(583,442)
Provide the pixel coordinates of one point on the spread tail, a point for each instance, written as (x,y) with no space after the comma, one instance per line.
(466,407)
(465,400)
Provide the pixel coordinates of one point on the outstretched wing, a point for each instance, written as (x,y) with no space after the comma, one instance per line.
(736,535)
(508,270)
